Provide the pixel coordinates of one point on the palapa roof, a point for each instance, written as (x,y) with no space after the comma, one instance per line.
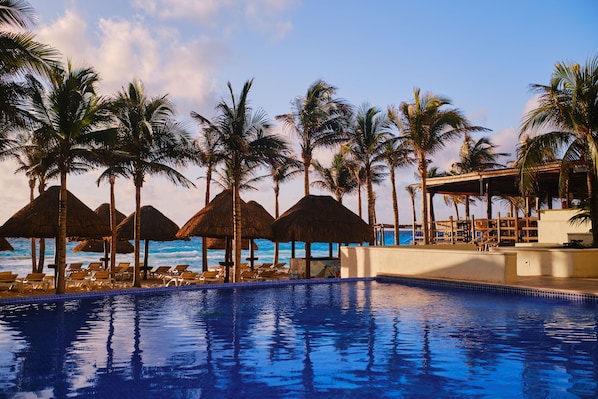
(154,226)
(39,218)
(93,245)
(216,220)
(220,243)
(320,218)
(5,245)
(103,211)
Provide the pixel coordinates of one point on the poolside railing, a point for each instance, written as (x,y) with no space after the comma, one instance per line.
(502,231)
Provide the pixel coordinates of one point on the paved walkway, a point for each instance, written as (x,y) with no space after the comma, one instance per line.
(564,284)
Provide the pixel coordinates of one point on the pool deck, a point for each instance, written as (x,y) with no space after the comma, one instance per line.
(586,288)
(563,284)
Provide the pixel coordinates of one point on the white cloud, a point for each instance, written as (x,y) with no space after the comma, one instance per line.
(266,17)
(69,35)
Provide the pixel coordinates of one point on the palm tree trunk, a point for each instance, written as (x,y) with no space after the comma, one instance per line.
(136,236)
(395,205)
(467,214)
(276,214)
(432,239)
(33,246)
(371,200)
(113,238)
(456,205)
(42,241)
(204,248)
(413,217)
(423,173)
(592,182)
(237,226)
(306,165)
(61,238)
(358,197)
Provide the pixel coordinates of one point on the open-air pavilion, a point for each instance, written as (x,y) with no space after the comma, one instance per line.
(488,184)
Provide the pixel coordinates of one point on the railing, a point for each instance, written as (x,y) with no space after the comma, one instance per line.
(484,232)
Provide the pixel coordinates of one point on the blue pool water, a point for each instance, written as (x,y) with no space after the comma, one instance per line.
(326,340)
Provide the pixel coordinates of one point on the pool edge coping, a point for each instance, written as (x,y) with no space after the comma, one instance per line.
(386,278)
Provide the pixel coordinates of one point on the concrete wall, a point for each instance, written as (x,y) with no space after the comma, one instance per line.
(553,226)
(499,267)
(555,262)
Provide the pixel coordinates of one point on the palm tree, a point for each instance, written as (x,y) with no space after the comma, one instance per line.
(282,170)
(367,139)
(396,155)
(208,155)
(476,156)
(226,181)
(111,155)
(30,158)
(427,127)
(358,175)
(154,144)
(244,138)
(568,109)
(412,190)
(70,118)
(20,54)
(318,120)
(338,178)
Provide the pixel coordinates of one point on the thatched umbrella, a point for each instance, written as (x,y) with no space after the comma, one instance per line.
(5,245)
(154,227)
(95,245)
(216,220)
(220,243)
(320,218)
(39,219)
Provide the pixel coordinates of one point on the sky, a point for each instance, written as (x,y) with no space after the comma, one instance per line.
(482,55)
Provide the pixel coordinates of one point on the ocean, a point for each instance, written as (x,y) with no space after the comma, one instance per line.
(168,253)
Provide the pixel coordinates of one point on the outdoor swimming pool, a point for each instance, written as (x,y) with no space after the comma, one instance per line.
(334,340)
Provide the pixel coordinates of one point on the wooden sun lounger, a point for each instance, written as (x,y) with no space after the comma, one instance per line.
(8,280)
(35,281)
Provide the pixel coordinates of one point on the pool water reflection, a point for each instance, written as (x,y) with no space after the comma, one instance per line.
(340,339)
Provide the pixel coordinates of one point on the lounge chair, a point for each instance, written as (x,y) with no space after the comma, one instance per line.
(211,276)
(34,281)
(268,274)
(185,278)
(123,270)
(95,267)
(78,280)
(8,280)
(248,275)
(102,277)
(179,269)
(74,267)
(160,272)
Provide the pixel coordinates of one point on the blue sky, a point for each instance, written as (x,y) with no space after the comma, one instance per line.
(482,55)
